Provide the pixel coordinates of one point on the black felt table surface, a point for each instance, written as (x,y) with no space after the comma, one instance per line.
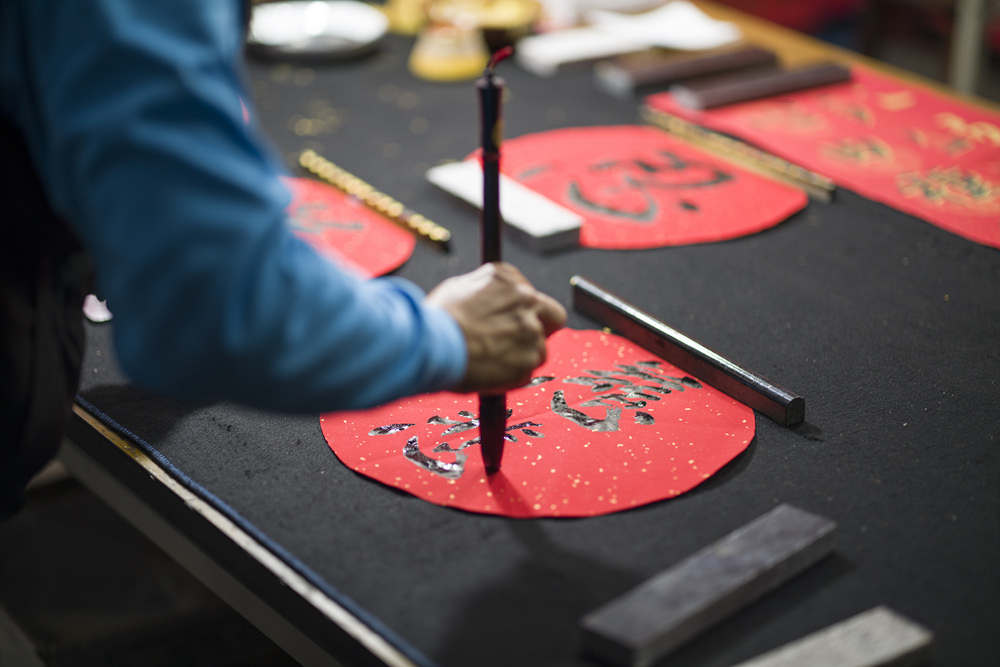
(887,326)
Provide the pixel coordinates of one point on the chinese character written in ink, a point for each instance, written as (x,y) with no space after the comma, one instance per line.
(627,189)
(630,387)
(954,185)
(626,387)
(851,110)
(787,117)
(979,131)
(860,150)
(313,217)
(451,469)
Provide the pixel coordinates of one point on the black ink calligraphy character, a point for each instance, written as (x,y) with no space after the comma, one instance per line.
(454,470)
(629,196)
(644,418)
(389,428)
(313,217)
(609,423)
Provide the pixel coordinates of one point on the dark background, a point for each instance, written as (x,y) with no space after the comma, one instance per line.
(886,325)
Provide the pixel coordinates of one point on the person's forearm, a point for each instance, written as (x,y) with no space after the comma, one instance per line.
(153,165)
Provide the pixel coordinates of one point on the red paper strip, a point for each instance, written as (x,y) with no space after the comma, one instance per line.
(345,229)
(605,426)
(638,187)
(916,150)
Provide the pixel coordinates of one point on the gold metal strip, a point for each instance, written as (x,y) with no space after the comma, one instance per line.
(382,203)
(815,185)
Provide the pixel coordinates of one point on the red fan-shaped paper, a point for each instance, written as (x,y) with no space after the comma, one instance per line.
(639,187)
(342,227)
(604,426)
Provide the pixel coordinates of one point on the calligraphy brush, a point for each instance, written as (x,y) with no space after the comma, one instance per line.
(492,409)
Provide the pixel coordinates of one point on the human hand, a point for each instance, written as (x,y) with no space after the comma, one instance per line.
(505,321)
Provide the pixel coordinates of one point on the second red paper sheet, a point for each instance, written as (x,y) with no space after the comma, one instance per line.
(916,150)
(344,228)
(638,187)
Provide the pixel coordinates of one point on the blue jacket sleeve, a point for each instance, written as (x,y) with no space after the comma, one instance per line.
(133,115)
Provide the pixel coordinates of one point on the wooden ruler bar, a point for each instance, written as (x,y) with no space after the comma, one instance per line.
(652,620)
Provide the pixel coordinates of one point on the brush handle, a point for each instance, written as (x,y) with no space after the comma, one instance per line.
(492,409)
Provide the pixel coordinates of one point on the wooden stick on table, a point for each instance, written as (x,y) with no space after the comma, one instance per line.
(383,203)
